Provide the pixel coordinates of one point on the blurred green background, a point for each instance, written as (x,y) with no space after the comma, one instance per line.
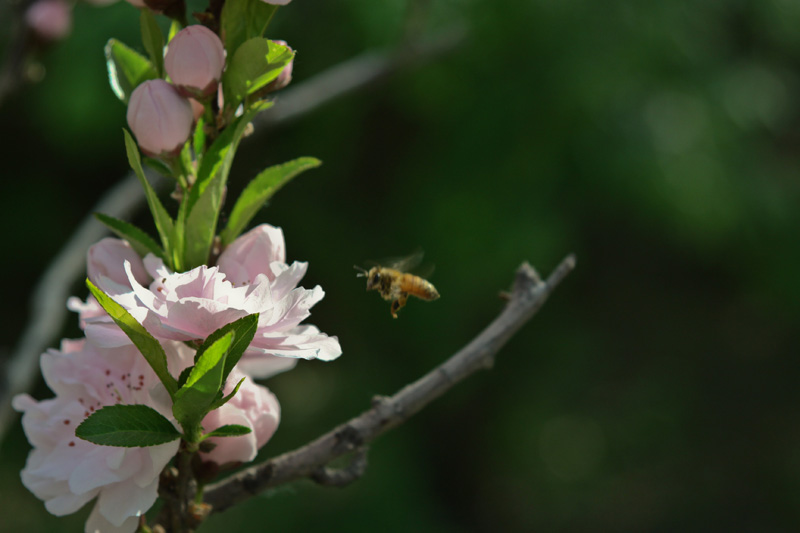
(657,389)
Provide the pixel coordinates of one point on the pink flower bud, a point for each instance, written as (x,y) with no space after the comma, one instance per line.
(50,19)
(160,118)
(195,59)
(285,76)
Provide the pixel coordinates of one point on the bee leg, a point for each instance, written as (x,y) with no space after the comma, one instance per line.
(399,303)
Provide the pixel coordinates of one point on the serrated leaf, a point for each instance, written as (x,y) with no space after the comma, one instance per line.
(228,430)
(204,201)
(259,191)
(184,376)
(152,39)
(256,63)
(225,399)
(194,398)
(244,330)
(127,69)
(140,241)
(148,346)
(243,20)
(163,221)
(127,426)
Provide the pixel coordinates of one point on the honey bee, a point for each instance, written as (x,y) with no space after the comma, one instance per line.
(395,285)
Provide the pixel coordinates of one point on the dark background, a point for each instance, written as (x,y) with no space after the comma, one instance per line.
(656,391)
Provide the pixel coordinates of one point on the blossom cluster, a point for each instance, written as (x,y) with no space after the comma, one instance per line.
(179,309)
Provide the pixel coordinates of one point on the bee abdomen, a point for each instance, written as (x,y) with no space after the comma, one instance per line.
(419,287)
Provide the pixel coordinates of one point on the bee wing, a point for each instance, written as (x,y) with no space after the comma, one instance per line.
(406,263)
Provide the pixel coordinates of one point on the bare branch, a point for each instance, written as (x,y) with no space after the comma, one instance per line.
(48,310)
(342,477)
(528,295)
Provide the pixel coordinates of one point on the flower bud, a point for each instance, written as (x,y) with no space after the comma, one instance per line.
(51,20)
(137,3)
(195,59)
(277,2)
(160,118)
(285,76)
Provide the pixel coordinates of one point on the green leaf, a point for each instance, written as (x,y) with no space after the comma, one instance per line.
(243,20)
(153,40)
(257,62)
(127,426)
(202,387)
(228,430)
(174,28)
(223,400)
(184,376)
(164,223)
(126,69)
(146,343)
(259,191)
(204,200)
(244,330)
(140,241)
(159,166)
(199,140)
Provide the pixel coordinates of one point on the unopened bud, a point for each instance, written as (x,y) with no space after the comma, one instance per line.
(51,20)
(195,59)
(285,76)
(160,118)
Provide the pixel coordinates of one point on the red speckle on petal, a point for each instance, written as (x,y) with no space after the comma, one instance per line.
(108,372)
(71,443)
(66,422)
(86,413)
(91,408)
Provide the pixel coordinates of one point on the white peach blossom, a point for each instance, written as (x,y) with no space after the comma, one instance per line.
(66,471)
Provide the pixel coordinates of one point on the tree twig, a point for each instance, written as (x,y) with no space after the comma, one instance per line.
(48,310)
(528,295)
(341,477)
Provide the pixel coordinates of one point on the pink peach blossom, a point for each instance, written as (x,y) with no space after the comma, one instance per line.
(253,406)
(67,472)
(105,268)
(251,277)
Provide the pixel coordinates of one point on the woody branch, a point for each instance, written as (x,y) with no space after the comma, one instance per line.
(527,297)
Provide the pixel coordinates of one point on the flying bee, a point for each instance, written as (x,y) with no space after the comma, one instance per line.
(395,285)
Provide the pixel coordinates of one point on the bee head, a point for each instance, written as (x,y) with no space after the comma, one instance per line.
(373,279)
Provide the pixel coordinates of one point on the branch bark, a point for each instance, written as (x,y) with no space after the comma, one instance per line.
(527,297)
